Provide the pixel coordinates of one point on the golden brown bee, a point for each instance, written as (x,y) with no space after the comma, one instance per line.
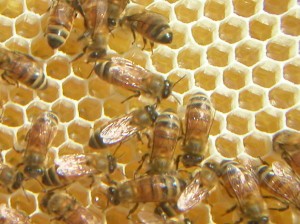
(10,178)
(12,216)
(95,17)
(60,23)
(151,26)
(115,9)
(67,209)
(198,189)
(281,181)
(122,72)
(287,143)
(165,135)
(22,68)
(120,129)
(73,167)
(198,121)
(39,138)
(241,184)
(150,188)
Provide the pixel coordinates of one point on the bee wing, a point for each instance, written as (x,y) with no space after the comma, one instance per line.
(242,183)
(199,120)
(73,166)
(194,193)
(12,216)
(128,73)
(287,179)
(101,13)
(118,130)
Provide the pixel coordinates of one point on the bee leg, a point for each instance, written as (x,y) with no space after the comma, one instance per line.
(133,34)
(9,80)
(286,205)
(144,157)
(145,42)
(152,46)
(177,161)
(230,210)
(132,210)
(134,95)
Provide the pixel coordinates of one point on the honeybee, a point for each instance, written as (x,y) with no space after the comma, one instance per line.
(281,181)
(72,167)
(12,216)
(149,188)
(9,178)
(120,129)
(20,67)
(198,189)
(115,9)
(95,17)
(198,121)
(39,138)
(67,209)
(165,135)
(240,183)
(122,72)
(151,26)
(60,23)
(287,143)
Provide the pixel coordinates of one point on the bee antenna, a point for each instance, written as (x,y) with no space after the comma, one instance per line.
(211,123)
(91,72)
(175,83)
(26,195)
(176,98)
(40,183)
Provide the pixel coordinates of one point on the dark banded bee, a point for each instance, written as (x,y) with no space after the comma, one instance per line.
(151,26)
(150,188)
(20,67)
(281,181)
(287,143)
(39,138)
(10,178)
(60,23)
(115,9)
(241,184)
(12,216)
(95,17)
(67,209)
(122,72)
(122,128)
(69,168)
(198,121)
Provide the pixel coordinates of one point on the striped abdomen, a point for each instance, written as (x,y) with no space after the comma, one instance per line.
(156,188)
(60,23)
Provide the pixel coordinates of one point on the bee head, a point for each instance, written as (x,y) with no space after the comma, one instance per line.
(113,196)
(190,160)
(112,163)
(33,171)
(167,90)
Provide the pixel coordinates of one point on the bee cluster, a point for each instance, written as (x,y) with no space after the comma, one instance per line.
(175,172)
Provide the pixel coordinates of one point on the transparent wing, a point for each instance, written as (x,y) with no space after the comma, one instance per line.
(194,193)
(118,130)
(74,165)
(242,183)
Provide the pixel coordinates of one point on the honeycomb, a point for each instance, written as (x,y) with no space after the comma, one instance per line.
(244,54)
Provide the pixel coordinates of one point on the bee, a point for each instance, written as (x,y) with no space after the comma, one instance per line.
(287,143)
(149,188)
(12,216)
(20,67)
(67,209)
(198,121)
(72,167)
(122,72)
(122,128)
(281,181)
(151,26)
(115,9)
(241,183)
(95,17)
(165,135)
(39,138)
(198,189)
(9,178)
(60,23)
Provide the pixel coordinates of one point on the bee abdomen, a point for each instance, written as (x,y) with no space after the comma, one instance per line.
(50,178)
(96,141)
